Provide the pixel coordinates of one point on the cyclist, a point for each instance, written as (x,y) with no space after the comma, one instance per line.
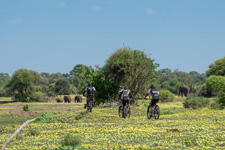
(120,94)
(125,96)
(90,93)
(155,96)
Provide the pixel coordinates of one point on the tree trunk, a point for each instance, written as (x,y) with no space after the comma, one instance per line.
(16,132)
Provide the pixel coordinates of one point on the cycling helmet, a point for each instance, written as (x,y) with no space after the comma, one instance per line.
(121,87)
(152,85)
(125,87)
(89,84)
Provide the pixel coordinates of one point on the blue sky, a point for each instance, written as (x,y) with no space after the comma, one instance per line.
(55,35)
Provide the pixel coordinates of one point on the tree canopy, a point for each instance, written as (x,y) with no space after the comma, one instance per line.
(23,84)
(217,68)
(133,68)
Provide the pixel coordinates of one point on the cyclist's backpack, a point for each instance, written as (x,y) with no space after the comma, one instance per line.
(125,94)
(90,90)
(155,94)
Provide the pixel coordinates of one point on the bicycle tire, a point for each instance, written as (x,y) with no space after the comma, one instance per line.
(125,112)
(157,112)
(120,111)
(128,112)
(90,105)
(149,112)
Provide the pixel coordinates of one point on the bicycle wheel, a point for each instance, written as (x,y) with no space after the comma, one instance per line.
(90,105)
(149,112)
(125,112)
(128,112)
(156,112)
(121,111)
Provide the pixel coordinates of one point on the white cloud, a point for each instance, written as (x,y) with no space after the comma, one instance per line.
(96,8)
(61,5)
(16,21)
(150,11)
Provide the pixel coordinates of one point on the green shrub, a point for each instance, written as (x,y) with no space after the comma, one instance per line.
(26,107)
(214,105)
(49,117)
(195,102)
(166,96)
(38,96)
(71,140)
(221,100)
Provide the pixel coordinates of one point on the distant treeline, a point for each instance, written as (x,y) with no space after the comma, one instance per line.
(126,66)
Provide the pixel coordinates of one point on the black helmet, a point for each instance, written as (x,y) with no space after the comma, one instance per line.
(89,84)
(125,87)
(152,85)
(121,87)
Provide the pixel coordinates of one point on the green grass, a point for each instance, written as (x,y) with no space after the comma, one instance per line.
(103,129)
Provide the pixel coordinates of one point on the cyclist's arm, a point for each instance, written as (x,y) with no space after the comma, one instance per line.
(132,96)
(95,90)
(147,93)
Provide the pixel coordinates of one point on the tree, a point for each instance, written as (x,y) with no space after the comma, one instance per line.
(215,83)
(132,68)
(3,80)
(75,71)
(23,84)
(101,80)
(62,86)
(217,68)
(172,85)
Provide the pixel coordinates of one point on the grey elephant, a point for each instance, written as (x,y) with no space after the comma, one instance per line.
(67,99)
(184,90)
(78,99)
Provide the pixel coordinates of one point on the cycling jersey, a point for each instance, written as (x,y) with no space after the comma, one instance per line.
(154,93)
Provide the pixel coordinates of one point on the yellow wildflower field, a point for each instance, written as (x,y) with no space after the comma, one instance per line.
(177,128)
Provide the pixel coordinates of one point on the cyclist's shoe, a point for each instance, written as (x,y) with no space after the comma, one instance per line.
(151,115)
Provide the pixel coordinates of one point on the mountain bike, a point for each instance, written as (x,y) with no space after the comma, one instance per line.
(124,111)
(90,103)
(156,111)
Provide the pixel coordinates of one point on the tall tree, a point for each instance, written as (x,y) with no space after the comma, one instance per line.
(62,86)
(133,68)
(217,68)
(24,82)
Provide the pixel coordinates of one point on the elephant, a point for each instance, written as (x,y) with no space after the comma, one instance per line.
(67,99)
(78,99)
(196,89)
(58,100)
(184,90)
(46,98)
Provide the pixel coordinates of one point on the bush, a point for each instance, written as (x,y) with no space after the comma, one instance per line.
(214,105)
(166,96)
(38,96)
(49,117)
(195,102)
(26,108)
(71,140)
(221,100)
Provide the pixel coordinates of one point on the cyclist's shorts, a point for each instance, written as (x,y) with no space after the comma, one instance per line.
(154,101)
(89,98)
(125,101)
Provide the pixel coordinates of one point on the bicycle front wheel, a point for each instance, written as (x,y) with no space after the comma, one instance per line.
(120,111)
(90,105)
(125,112)
(128,112)
(157,112)
(149,112)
